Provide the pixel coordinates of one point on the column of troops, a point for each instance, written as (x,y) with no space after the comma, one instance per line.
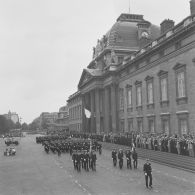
(82,151)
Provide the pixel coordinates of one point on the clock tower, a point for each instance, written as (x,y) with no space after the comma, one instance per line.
(144,33)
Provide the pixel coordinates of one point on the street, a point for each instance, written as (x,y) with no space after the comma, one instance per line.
(33,172)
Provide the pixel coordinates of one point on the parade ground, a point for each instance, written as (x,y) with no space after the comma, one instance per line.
(33,172)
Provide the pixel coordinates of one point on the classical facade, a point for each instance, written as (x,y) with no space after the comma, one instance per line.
(75,112)
(141,78)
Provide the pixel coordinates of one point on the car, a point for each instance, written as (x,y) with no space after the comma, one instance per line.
(9,142)
(10,151)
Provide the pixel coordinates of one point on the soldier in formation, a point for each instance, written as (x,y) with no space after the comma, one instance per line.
(82,151)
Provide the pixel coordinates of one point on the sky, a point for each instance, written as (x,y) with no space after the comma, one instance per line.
(45,45)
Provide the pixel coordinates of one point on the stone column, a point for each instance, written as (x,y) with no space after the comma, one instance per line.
(114,108)
(106,110)
(83,114)
(97,105)
(92,125)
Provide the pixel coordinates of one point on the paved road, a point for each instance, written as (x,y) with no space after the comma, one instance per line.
(33,172)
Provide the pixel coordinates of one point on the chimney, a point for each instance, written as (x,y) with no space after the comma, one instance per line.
(166,25)
(192,7)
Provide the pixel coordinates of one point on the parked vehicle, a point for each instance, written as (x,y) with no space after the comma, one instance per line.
(10,151)
(11,141)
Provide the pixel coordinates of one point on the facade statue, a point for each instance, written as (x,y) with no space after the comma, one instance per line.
(114,58)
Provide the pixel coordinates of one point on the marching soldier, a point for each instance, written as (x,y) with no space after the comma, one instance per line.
(114,157)
(120,157)
(128,157)
(78,161)
(85,160)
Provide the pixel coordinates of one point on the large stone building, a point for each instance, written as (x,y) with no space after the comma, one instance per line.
(141,78)
(47,120)
(75,112)
(62,120)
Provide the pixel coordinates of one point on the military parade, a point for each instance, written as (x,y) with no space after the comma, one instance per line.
(116,119)
(82,151)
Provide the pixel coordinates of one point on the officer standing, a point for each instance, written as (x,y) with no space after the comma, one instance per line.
(148,172)
(134,156)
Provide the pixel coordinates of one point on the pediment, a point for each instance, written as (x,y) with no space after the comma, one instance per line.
(178,66)
(162,72)
(85,77)
(148,78)
(138,82)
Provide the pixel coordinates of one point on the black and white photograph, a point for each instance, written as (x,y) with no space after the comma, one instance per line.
(97,97)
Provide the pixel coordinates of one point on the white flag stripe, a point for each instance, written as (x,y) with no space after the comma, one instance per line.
(87,113)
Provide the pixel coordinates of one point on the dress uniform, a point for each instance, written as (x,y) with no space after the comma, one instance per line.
(128,157)
(114,157)
(134,155)
(148,173)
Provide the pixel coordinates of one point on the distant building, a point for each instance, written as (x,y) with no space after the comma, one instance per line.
(47,119)
(141,78)
(12,116)
(75,112)
(62,120)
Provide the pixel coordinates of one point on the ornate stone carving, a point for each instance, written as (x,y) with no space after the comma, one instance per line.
(114,58)
(101,44)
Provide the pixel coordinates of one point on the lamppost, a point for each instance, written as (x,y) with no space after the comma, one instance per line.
(20,125)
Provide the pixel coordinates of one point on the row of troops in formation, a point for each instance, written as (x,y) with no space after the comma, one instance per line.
(129,153)
(66,145)
(82,150)
(85,159)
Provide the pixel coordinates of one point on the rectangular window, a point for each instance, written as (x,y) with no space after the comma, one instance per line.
(139,95)
(181,85)
(129,96)
(163,88)
(150,92)
(183,126)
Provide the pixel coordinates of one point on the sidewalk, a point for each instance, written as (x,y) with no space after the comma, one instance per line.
(179,161)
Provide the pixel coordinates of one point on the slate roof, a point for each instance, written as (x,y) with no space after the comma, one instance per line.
(124,33)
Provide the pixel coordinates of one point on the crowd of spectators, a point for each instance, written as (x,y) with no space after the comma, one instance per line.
(184,145)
